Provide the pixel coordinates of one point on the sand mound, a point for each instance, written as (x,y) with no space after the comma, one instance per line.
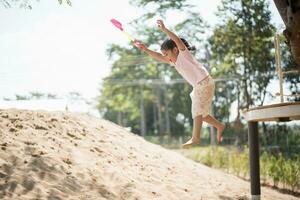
(58,156)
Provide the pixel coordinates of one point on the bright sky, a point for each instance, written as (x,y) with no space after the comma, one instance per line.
(58,49)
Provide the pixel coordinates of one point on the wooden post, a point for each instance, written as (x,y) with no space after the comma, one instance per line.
(278,65)
(254,159)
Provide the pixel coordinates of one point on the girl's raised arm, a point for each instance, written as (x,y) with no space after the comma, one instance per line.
(180,45)
(153,54)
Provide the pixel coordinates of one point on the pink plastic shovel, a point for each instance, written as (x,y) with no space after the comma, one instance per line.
(119,26)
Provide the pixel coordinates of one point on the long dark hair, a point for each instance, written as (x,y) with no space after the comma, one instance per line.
(169,44)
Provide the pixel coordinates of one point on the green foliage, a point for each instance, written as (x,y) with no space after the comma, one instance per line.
(281,171)
(264,167)
(208,159)
(292,173)
(241,46)
(160,6)
(36,95)
(26,4)
(21,97)
(67,1)
(221,158)
(287,64)
(282,136)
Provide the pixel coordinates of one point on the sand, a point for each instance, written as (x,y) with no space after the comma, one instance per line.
(62,156)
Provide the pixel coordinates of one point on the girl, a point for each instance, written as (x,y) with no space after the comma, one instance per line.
(175,51)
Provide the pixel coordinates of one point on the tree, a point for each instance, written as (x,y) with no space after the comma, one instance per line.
(241,46)
(36,95)
(26,4)
(21,97)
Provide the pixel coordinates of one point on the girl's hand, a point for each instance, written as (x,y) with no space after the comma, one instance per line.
(161,25)
(139,45)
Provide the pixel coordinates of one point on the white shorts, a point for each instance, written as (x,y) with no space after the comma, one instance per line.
(202,95)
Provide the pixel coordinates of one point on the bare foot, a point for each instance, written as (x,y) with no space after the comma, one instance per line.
(190,143)
(220,131)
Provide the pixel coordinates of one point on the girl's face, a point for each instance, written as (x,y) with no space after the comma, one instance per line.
(171,54)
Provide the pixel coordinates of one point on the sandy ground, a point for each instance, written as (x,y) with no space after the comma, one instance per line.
(61,156)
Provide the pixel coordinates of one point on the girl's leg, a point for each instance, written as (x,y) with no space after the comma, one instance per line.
(217,124)
(197,125)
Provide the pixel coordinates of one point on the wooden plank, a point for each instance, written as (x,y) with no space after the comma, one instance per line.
(273,105)
(275,112)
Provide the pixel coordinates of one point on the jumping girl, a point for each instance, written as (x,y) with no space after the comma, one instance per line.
(175,51)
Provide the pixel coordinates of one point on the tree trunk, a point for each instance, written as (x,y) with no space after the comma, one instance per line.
(143,117)
(289,11)
(167,116)
(160,117)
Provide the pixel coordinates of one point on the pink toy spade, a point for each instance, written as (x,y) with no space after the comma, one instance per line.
(119,26)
